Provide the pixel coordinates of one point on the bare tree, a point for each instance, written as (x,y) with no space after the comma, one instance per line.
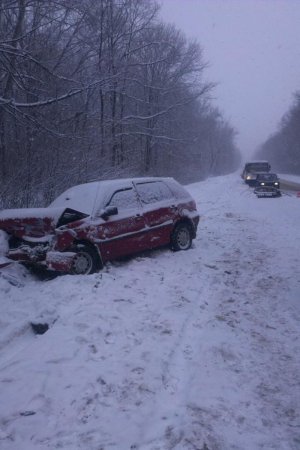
(282,148)
(100,90)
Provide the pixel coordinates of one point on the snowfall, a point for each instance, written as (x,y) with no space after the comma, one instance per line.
(192,350)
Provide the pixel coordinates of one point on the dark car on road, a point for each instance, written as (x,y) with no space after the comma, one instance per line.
(267,179)
(252,169)
(96,222)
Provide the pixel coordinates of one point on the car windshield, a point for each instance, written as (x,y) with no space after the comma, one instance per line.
(80,198)
(267,177)
(258,167)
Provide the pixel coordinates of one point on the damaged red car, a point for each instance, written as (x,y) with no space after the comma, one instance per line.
(96,222)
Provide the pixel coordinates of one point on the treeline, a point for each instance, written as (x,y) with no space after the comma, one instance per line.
(282,149)
(99,89)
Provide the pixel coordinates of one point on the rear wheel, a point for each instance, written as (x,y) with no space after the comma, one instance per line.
(181,238)
(86,260)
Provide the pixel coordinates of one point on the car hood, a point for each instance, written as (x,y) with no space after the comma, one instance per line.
(30,222)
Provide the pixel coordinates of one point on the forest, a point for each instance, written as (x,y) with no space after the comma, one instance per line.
(102,89)
(282,148)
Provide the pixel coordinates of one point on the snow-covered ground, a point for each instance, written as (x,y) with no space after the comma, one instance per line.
(196,350)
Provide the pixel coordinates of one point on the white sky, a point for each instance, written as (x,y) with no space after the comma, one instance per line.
(253,47)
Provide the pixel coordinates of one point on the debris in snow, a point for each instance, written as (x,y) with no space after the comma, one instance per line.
(27,413)
(12,280)
(39,328)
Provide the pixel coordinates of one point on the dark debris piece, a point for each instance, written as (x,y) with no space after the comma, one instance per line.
(39,328)
(27,413)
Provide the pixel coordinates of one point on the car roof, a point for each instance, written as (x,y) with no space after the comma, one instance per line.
(257,162)
(84,197)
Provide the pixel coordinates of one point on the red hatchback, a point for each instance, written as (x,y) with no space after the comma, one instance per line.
(92,223)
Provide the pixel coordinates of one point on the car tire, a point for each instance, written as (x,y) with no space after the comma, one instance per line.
(181,238)
(86,260)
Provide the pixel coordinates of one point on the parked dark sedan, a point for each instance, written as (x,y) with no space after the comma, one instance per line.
(267,179)
(92,223)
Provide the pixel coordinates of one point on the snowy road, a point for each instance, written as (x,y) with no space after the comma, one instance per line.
(196,350)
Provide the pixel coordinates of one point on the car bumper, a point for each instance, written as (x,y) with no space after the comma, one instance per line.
(269,185)
(25,254)
(57,261)
(270,192)
(60,261)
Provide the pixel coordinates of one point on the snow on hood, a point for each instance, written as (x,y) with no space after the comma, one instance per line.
(28,213)
(30,222)
(81,198)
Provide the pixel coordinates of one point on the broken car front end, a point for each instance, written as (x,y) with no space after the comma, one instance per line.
(40,236)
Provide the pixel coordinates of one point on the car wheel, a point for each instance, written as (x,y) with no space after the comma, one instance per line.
(86,261)
(181,238)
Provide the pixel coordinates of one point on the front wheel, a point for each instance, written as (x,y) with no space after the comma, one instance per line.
(181,238)
(86,261)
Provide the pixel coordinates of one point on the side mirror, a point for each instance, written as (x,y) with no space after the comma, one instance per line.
(109,211)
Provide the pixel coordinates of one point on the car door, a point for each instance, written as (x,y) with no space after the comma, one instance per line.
(159,210)
(123,233)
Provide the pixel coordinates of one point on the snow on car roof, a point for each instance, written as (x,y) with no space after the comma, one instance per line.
(85,197)
(257,162)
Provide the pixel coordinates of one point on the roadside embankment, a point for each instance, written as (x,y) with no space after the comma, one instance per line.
(289,185)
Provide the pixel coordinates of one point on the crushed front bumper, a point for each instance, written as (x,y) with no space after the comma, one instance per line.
(60,261)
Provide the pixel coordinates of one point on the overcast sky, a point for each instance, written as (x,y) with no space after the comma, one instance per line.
(253,47)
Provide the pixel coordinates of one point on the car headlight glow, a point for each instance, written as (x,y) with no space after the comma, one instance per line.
(262,184)
(276,184)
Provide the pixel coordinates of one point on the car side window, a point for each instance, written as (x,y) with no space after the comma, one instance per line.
(153,192)
(124,199)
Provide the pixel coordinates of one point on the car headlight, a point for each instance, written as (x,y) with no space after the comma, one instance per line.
(262,184)
(248,177)
(276,184)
